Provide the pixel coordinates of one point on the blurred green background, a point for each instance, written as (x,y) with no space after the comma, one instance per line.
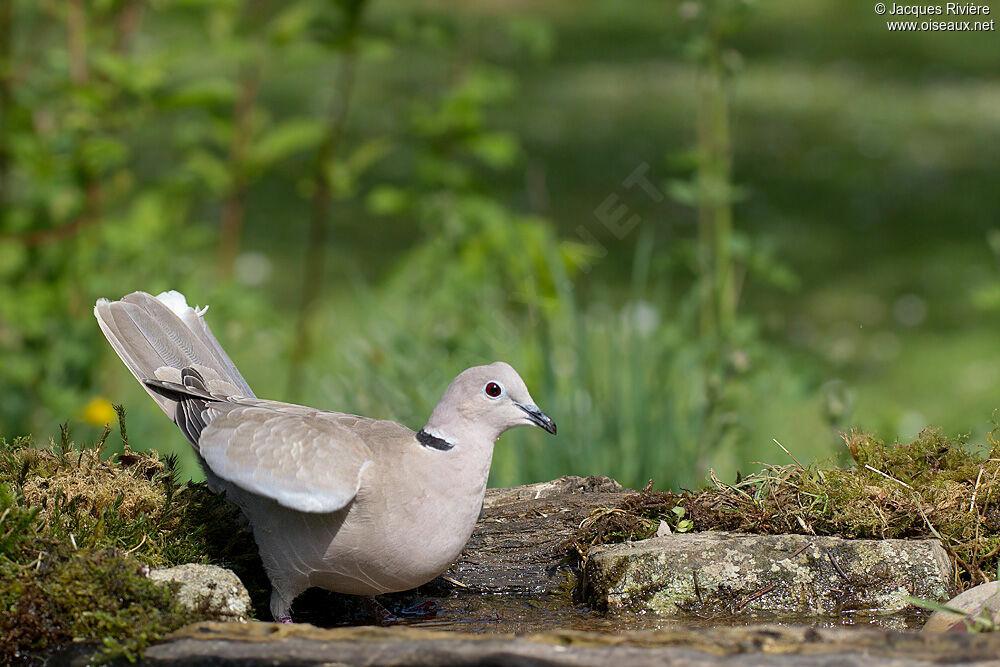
(691,226)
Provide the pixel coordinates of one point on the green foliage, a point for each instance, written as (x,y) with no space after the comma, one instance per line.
(180,148)
(77,532)
(636,387)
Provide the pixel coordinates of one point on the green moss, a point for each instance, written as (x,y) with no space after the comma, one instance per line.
(77,532)
(931,487)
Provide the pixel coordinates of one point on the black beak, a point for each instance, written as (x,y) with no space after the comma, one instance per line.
(538,417)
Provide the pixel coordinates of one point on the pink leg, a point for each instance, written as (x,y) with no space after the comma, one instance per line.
(425,609)
(382,615)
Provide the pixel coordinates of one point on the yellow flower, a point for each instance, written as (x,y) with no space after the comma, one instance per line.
(99,411)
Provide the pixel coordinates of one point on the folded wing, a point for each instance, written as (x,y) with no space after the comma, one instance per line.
(304,459)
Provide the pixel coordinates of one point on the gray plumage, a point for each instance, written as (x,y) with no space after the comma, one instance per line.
(342,502)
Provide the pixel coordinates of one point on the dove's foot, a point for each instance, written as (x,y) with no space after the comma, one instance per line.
(381,613)
(426,609)
(285,619)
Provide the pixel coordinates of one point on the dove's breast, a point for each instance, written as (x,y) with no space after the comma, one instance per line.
(397,541)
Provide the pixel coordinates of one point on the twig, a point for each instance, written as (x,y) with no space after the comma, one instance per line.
(775,441)
(888,476)
(759,594)
(724,487)
(136,547)
(801,549)
(979,477)
(991,554)
(234,208)
(836,566)
(599,514)
(930,526)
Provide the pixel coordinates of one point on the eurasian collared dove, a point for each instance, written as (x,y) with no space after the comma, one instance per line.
(341,502)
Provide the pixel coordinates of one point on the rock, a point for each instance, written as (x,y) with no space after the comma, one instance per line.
(259,644)
(208,587)
(712,573)
(982,600)
(519,545)
(569,484)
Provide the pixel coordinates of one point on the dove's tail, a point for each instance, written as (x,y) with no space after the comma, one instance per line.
(158,337)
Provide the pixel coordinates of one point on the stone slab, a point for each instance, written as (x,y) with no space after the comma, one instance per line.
(723,574)
(261,644)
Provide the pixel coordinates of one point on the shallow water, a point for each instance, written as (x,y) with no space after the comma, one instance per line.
(513,614)
(524,616)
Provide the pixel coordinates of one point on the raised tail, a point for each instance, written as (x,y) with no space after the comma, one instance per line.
(158,337)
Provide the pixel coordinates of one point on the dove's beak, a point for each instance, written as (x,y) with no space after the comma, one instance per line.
(537,417)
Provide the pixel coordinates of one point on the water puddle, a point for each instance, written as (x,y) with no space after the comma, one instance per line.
(512,614)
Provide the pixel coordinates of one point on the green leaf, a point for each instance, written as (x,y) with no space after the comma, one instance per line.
(684,192)
(367,154)
(387,200)
(532,35)
(292,22)
(288,138)
(496,149)
(207,92)
(204,167)
(101,154)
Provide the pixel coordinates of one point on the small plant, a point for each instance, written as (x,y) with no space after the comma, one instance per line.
(980,623)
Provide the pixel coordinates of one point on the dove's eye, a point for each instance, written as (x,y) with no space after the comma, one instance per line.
(493,390)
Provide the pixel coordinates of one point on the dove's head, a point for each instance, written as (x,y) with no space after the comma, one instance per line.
(483,402)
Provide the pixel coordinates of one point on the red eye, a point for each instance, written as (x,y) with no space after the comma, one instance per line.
(493,390)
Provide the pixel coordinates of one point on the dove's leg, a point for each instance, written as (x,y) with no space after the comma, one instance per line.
(381,613)
(426,609)
(281,603)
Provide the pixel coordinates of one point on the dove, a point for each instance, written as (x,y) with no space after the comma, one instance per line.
(337,501)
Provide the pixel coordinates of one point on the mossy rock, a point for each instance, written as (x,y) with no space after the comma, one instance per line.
(717,575)
(933,487)
(79,533)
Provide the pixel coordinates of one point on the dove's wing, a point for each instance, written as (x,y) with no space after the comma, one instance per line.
(308,460)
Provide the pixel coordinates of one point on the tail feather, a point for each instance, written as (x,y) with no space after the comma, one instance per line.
(196,323)
(157,333)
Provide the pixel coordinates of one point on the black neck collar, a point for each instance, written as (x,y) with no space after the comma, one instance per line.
(432,441)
